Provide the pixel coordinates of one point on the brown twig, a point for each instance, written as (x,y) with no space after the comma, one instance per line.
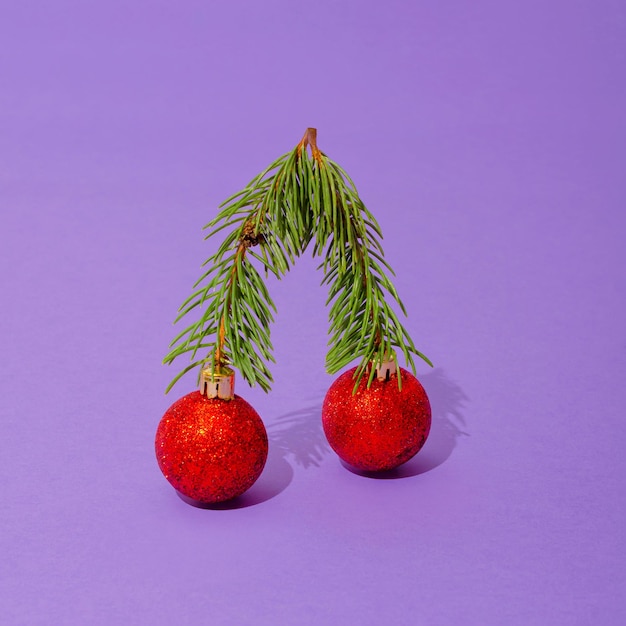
(310,139)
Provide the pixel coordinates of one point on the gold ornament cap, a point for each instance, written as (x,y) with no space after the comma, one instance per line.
(386,368)
(218,383)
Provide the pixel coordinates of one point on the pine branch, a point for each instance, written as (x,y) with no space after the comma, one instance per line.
(297,199)
(362,323)
(233,327)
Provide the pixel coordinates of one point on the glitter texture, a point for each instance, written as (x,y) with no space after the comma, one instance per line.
(377,428)
(209,449)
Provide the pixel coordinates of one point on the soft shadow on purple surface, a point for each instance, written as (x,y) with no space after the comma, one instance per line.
(276,476)
(447,401)
(298,435)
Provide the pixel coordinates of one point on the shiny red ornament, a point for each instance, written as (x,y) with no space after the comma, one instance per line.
(378,428)
(209,449)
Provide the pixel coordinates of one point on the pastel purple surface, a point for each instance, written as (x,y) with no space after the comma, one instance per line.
(489,140)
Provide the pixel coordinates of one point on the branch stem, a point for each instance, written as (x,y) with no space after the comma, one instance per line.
(310,139)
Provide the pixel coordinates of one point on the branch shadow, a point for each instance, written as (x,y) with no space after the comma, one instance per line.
(298,435)
(447,401)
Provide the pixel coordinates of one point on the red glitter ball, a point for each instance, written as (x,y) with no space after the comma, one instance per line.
(378,428)
(209,449)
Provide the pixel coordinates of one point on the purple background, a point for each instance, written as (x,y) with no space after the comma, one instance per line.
(487,137)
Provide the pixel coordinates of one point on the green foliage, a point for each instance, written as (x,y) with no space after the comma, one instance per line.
(298,198)
(234,325)
(362,323)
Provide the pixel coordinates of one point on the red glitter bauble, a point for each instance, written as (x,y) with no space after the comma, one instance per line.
(210,449)
(378,428)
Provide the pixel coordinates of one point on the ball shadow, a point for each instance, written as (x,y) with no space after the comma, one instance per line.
(276,476)
(296,436)
(447,401)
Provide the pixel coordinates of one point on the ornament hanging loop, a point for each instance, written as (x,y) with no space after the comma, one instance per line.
(219,383)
